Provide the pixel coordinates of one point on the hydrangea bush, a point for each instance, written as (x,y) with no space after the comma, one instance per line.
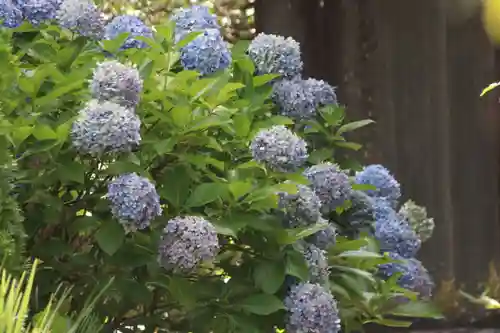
(203,177)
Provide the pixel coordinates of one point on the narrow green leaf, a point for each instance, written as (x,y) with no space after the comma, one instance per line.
(354,126)
(417,309)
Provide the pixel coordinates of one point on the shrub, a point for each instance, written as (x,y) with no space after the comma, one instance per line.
(147,157)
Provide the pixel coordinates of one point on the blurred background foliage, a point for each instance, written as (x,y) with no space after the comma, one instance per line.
(236,16)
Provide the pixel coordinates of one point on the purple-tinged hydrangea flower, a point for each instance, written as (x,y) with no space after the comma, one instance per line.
(113,81)
(279,148)
(187,242)
(105,127)
(414,276)
(302,208)
(81,16)
(38,11)
(207,53)
(386,185)
(191,19)
(273,54)
(131,25)
(331,185)
(394,233)
(324,239)
(134,201)
(10,15)
(300,99)
(311,309)
(317,264)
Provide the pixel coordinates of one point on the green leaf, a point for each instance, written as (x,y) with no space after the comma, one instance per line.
(262,304)
(112,45)
(269,276)
(175,185)
(44,132)
(349,145)
(240,188)
(242,125)
(110,237)
(332,114)
(417,309)
(206,193)
(360,254)
(183,292)
(290,236)
(21,133)
(181,115)
(72,171)
(390,322)
(363,187)
(296,265)
(263,79)
(354,126)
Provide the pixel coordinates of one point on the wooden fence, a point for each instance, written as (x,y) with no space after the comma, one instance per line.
(418,73)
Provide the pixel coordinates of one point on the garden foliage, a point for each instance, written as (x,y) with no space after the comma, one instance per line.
(209,180)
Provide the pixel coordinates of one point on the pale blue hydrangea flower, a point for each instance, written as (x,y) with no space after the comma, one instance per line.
(116,82)
(82,17)
(324,239)
(128,24)
(323,93)
(10,15)
(273,54)
(105,128)
(414,276)
(331,185)
(187,242)
(317,263)
(417,218)
(279,148)
(301,209)
(206,54)
(311,309)
(393,232)
(134,201)
(378,176)
(191,19)
(38,11)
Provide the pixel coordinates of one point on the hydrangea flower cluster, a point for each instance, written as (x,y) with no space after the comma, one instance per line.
(417,218)
(317,264)
(81,16)
(300,99)
(393,232)
(324,239)
(10,15)
(361,213)
(413,277)
(273,54)
(207,53)
(128,24)
(105,127)
(193,19)
(187,242)
(113,81)
(38,11)
(378,176)
(330,184)
(311,309)
(302,208)
(279,148)
(134,201)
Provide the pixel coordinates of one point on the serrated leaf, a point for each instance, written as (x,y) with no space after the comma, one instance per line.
(262,304)
(110,237)
(269,276)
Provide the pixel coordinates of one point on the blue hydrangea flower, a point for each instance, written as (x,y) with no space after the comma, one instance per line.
(273,54)
(324,239)
(187,242)
(134,201)
(10,15)
(323,93)
(191,19)
(105,128)
(207,53)
(113,81)
(378,176)
(331,185)
(38,11)
(128,24)
(394,233)
(414,276)
(302,208)
(279,148)
(311,309)
(317,264)
(82,17)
